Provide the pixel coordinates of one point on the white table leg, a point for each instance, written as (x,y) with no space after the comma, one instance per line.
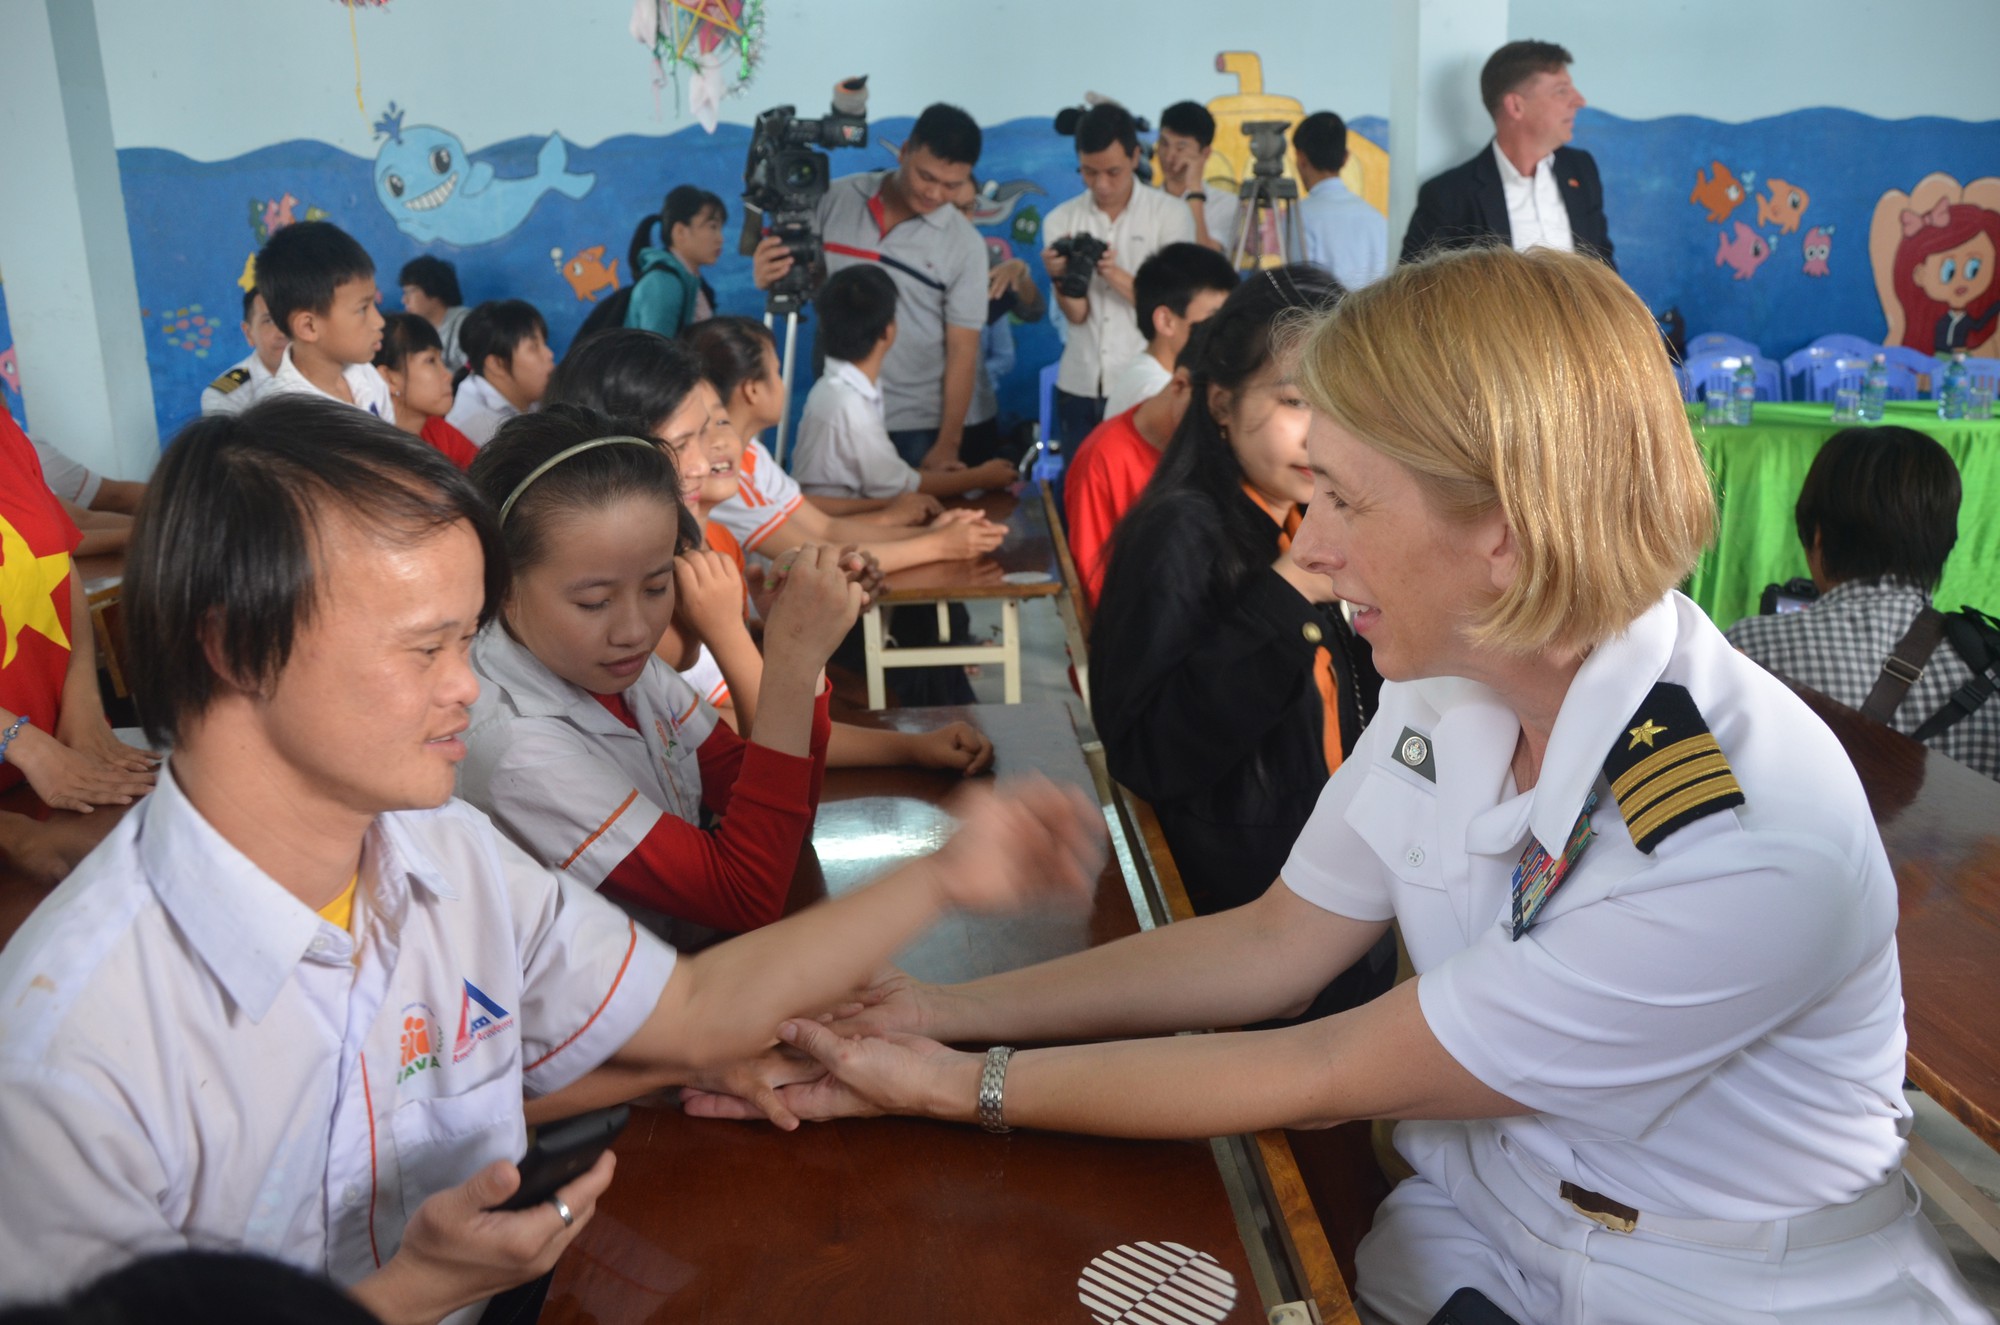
(1010,647)
(872,646)
(1948,1189)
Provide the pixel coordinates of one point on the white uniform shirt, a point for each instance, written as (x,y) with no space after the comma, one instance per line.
(214,400)
(704,677)
(1713,1031)
(1346,236)
(844,447)
(73,482)
(765,498)
(1108,337)
(369,390)
(453,354)
(478,409)
(190,1057)
(1535,211)
(572,785)
(1138,381)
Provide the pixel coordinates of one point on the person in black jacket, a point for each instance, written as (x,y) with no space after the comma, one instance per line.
(1226,684)
(1511,190)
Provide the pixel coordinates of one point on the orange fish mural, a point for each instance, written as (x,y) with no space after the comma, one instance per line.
(1784,205)
(1720,194)
(587,272)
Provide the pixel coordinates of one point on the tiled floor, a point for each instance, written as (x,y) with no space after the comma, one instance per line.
(1045,678)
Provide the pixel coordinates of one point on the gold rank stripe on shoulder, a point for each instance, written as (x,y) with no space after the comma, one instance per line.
(230,380)
(1666,770)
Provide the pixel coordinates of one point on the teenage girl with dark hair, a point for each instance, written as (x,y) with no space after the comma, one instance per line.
(1225,682)
(668,293)
(585,748)
(411,361)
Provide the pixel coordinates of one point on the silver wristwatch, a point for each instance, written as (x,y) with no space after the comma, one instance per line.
(992,1084)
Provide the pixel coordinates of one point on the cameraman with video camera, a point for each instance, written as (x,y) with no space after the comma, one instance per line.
(903,220)
(1096,241)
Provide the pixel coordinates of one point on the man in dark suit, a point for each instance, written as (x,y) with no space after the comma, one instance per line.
(1527,187)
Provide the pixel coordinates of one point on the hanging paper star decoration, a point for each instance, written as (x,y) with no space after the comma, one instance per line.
(717,43)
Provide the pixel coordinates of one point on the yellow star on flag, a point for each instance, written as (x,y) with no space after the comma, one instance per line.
(1643,734)
(28,585)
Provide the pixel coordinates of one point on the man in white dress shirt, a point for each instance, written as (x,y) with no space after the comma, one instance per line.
(1528,187)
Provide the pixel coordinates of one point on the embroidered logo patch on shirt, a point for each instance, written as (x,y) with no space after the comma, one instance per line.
(419,1042)
(479,1018)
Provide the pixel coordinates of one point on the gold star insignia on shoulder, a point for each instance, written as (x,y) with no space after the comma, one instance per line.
(1644,733)
(1677,780)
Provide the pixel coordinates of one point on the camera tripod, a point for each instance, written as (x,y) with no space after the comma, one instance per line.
(785,375)
(1277,198)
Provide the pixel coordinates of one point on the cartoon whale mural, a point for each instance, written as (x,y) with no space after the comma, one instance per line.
(434,191)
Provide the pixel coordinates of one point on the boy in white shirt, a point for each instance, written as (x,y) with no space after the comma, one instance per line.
(844,447)
(319,285)
(1175,289)
(507,367)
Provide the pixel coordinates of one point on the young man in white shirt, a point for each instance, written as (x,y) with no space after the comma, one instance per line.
(1343,233)
(1184,148)
(1176,290)
(236,389)
(1133,221)
(319,286)
(234,1024)
(508,364)
(844,446)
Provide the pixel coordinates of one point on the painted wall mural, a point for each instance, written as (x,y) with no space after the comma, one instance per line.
(1766,266)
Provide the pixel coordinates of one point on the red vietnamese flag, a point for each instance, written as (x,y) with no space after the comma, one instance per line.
(37,539)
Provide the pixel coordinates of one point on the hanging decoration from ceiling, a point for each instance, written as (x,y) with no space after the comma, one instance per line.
(716,44)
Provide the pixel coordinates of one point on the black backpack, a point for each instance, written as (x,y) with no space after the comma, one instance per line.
(607,315)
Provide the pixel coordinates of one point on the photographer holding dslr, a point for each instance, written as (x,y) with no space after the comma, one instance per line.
(903,220)
(1096,241)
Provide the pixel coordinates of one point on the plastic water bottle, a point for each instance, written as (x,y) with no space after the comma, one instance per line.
(1875,390)
(1742,392)
(1951,388)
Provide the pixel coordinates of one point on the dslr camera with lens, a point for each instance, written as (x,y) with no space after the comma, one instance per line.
(1081,253)
(785,176)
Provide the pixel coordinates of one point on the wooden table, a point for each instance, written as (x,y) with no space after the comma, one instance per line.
(1022,567)
(906,1220)
(1940,823)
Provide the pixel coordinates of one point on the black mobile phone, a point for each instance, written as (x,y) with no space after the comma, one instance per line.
(560,1153)
(1469,1306)
(1027,460)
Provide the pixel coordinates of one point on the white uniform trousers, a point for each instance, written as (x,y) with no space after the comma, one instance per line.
(1483,1213)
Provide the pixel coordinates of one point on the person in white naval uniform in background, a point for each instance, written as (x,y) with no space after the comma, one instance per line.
(1652,1057)
(238,386)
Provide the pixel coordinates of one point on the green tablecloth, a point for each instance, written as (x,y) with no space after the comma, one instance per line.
(1758,470)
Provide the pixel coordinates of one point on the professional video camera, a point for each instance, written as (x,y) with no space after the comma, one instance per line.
(784,177)
(1082,253)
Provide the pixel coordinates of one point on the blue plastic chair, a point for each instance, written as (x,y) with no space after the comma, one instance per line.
(1842,343)
(1802,377)
(1720,342)
(1980,366)
(1826,375)
(1047,387)
(1920,367)
(1701,368)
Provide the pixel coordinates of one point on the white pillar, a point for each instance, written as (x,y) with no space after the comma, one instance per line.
(72,299)
(1435,116)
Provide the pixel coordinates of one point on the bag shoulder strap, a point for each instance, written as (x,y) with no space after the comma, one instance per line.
(1904,665)
(1975,637)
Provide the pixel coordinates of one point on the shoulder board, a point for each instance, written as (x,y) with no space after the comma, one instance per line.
(230,380)
(1665,769)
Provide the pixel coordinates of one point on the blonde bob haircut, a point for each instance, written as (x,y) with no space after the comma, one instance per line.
(1535,382)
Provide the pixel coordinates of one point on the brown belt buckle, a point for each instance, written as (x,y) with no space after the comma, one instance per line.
(1618,1218)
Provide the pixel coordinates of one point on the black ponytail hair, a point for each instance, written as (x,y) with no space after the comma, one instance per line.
(588,481)
(684,205)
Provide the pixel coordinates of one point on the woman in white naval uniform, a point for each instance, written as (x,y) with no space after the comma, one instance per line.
(1662,1081)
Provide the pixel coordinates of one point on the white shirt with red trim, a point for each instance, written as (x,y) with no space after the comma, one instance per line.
(765,498)
(192,1057)
(569,782)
